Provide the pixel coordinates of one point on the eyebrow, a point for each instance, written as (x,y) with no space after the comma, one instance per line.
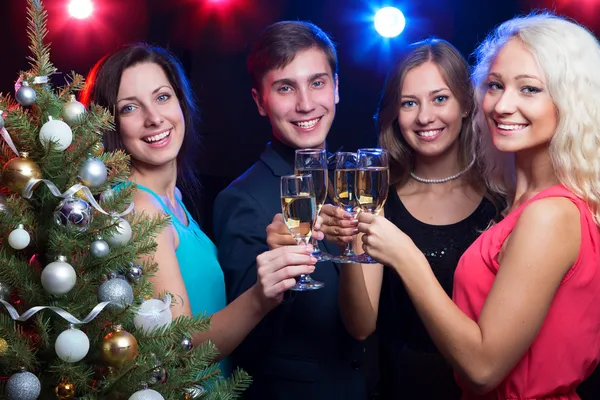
(521,76)
(431,93)
(292,82)
(153,92)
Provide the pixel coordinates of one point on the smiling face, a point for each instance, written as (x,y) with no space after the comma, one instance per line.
(519,110)
(300,100)
(430,115)
(151,122)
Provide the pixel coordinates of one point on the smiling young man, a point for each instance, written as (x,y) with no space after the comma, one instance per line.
(301,348)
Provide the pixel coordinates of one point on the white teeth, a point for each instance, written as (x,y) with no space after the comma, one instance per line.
(429,133)
(511,127)
(307,124)
(158,137)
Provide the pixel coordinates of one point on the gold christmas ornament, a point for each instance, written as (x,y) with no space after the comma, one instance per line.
(3,346)
(65,390)
(18,172)
(118,347)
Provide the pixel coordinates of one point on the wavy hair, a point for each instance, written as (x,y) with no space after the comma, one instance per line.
(488,174)
(569,57)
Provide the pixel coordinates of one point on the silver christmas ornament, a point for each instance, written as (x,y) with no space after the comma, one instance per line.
(99,248)
(196,391)
(159,375)
(134,273)
(23,386)
(4,291)
(117,290)
(122,236)
(25,95)
(93,173)
(58,277)
(74,212)
(73,111)
(186,342)
(107,195)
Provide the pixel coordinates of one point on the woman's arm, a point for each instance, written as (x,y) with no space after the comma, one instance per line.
(229,326)
(540,250)
(360,285)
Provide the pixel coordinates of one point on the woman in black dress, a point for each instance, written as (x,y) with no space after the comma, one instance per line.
(446,187)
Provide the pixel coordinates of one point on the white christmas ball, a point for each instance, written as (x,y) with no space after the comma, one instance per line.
(146,394)
(58,277)
(153,313)
(56,131)
(19,238)
(72,345)
(122,236)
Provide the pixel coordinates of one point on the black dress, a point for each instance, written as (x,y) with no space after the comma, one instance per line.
(411,366)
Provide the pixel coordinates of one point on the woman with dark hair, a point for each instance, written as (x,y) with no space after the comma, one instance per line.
(446,188)
(147,91)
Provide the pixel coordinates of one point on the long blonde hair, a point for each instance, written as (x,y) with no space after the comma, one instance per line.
(569,56)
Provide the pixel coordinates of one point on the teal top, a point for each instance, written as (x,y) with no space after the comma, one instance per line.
(199,266)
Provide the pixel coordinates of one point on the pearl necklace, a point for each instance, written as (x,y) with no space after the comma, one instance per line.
(442,180)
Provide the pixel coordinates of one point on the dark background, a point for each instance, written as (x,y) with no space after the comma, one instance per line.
(213,37)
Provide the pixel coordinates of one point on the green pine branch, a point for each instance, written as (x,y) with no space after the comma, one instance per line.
(37,31)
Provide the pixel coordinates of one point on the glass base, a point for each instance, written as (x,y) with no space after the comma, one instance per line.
(321,255)
(354,259)
(305,283)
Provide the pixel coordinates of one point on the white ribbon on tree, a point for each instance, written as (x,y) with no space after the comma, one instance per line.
(32,184)
(64,314)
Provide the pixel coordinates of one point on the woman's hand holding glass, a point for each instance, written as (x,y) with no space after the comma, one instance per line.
(372,185)
(387,244)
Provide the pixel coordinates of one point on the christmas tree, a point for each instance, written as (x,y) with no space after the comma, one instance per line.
(79,317)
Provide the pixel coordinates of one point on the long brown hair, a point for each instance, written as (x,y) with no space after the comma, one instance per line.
(455,71)
(102,87)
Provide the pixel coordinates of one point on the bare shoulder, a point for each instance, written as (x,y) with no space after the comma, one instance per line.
(552,223)
(145,202)
(556,212)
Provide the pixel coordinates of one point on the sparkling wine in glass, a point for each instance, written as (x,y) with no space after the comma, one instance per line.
(314,162)
(345,194)
(372,184)
(299,213)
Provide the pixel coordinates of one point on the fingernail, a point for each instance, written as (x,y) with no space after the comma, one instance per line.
(313,259)
(355,232)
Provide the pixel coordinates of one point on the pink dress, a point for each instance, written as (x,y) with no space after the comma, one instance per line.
(567,347)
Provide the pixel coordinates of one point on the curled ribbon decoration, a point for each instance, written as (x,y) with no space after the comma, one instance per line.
(36,81)
(64,314)
(32,184)
(7,138)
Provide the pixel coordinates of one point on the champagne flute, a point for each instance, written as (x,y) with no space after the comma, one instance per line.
(345,195)
(372,185)
(314,162)
(299,213)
